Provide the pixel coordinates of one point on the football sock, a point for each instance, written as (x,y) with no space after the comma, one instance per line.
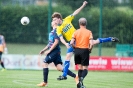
(84,73)
(45,74)
(71,74)
(66,66)
(102,40)
(2,64)
(80,73)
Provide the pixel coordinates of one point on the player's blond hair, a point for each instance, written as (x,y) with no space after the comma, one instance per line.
(57,14)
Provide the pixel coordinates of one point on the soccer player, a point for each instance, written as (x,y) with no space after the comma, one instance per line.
(2,48)
(83,47)
(52,52)
(66,30)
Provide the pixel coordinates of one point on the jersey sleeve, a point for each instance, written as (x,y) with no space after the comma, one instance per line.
(91,36)
(74,35)
(56,36)
(69,18)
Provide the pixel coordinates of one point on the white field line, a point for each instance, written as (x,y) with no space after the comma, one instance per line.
(28,84)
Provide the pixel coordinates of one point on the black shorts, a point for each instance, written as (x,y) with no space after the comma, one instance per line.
(81,56)
(54,56)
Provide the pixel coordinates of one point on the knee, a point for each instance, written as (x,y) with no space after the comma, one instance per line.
(45,65)
(68,56)
(59,69)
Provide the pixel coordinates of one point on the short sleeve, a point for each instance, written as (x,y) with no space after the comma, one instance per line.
(69,18)
(91,36)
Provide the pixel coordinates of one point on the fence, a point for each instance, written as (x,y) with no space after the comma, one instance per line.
(116,19)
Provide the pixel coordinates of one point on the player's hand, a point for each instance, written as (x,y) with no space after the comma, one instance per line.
(89,50)
(67,45)
(84,3)
(47,52)
(41,52)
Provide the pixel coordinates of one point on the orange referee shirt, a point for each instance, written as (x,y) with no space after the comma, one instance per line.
(82,37)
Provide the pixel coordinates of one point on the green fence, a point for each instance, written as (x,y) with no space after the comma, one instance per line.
(124,50)
(113,18)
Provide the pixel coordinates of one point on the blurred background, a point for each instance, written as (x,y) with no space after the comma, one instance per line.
(109,62)
(106,18)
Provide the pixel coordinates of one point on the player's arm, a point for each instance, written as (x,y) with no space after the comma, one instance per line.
(80,8)
(91,42)
(64,42)
(54,45)
(4,45)
(59,33)
(91,45)
(44,49)
(72,40)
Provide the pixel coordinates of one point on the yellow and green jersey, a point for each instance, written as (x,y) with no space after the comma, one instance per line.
(66,29)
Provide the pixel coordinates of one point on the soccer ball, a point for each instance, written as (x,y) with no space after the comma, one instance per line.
(25,20)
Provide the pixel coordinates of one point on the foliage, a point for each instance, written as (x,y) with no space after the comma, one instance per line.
(14,31)
(116,22)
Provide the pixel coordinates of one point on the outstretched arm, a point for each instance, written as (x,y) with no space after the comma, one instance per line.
(80,8)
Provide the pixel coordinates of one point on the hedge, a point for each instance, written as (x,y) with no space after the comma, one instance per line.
(116,22)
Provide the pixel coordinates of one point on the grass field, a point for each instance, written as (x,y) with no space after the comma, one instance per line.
(29,79)
(35,49)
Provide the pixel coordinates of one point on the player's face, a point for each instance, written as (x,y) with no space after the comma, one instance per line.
(52,23)
(56,20)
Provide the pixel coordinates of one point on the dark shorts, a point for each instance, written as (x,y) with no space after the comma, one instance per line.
(81,56)
(54,57)
(0,56)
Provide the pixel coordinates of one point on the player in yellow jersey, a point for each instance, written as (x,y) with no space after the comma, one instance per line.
(65,29)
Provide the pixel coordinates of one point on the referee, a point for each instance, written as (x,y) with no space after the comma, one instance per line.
(82,41)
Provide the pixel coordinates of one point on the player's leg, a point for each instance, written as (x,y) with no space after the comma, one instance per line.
(58,64)
(48,59)
(70,73)
(103,40)
(45,75)
(67,63)
(83,67)
(1,62)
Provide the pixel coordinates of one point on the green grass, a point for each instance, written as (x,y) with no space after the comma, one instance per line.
(29,79)
(35,49)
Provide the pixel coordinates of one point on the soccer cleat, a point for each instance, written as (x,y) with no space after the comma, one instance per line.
(80,84)
(62,78)
(3,69)
(42,84)
(114,39)
(76,79)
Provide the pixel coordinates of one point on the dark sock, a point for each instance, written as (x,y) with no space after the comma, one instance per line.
(45,74)
(84,73)
(71,74)
(2,64)
(80,73)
